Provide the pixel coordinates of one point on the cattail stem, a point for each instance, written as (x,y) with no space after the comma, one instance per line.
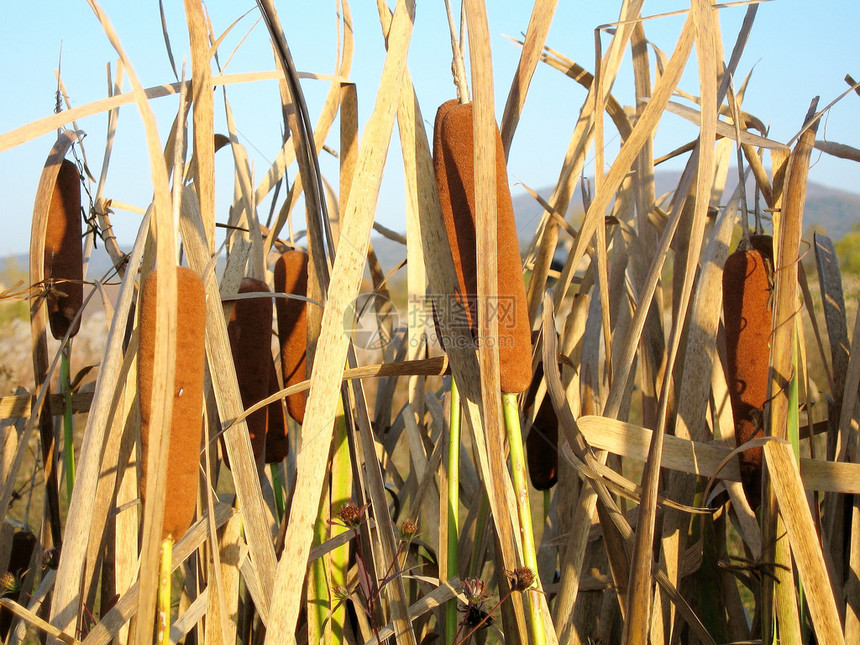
(793,436)
(68,427)
(341,492)
(280,507)
(521,490)
(480,530)
(164,592)
(318,588)
(453,505)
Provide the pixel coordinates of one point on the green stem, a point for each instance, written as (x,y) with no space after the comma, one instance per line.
(279,493)
(341,492)
(453,505)
(793,435)
(68,427)
(163,608)
(318,611)
(521,490)
(480,529)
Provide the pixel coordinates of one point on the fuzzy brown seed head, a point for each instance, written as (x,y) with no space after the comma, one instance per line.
(351,515)
(9,584)
(408,530)
(63,255)
(521,578)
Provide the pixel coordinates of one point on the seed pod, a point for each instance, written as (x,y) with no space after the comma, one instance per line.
(277,441)
(542,439)
(250,332)
(291,276)
(187,421)
(453,146)
(63,254)
(747,283)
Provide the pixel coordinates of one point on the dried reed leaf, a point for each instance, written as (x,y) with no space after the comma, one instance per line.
(326,118)
(39,319)
(723,129)
(786,259)
(189,618)
(243,214)
(222,370)
(119,614)
(803,539)
(484,129)
(706,460)
(536,33)
(332,347)
(167,38)
(838,150)
(46,124)
(99,203)
(428,602)
(203,169)
(833,303)
(77,528)
(37,622)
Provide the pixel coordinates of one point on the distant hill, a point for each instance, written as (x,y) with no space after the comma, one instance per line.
(832,210)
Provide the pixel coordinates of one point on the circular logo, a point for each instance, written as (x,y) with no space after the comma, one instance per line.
(370,321)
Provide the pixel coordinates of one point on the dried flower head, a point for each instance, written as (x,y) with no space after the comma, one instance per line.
(9,584)
(474,589)
(521,578)
(50,558)
(408,530)
(340,592)
(351,515)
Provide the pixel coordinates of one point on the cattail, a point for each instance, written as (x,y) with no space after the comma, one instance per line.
(277,441)
(187,421)
(63,254)
(542,439)
(747,282)
(453,145)
(250,332)
(291,276)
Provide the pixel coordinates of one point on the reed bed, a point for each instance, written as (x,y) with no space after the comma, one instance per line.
(689,481)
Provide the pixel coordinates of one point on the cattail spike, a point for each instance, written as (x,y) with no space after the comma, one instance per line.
(250,332)
(453,145)
(542,439)
(187,422)
(747,281)
(291,276)
(63,252)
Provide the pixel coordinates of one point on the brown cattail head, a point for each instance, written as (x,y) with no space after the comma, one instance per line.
(63,254)
(277,441)
(291,276)
(250,332)
(747,283)
(453,146)
(542,439)
(187,421)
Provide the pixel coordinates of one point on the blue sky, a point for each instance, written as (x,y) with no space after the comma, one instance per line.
(795,52)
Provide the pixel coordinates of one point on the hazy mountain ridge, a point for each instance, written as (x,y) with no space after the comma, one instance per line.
(832,210)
